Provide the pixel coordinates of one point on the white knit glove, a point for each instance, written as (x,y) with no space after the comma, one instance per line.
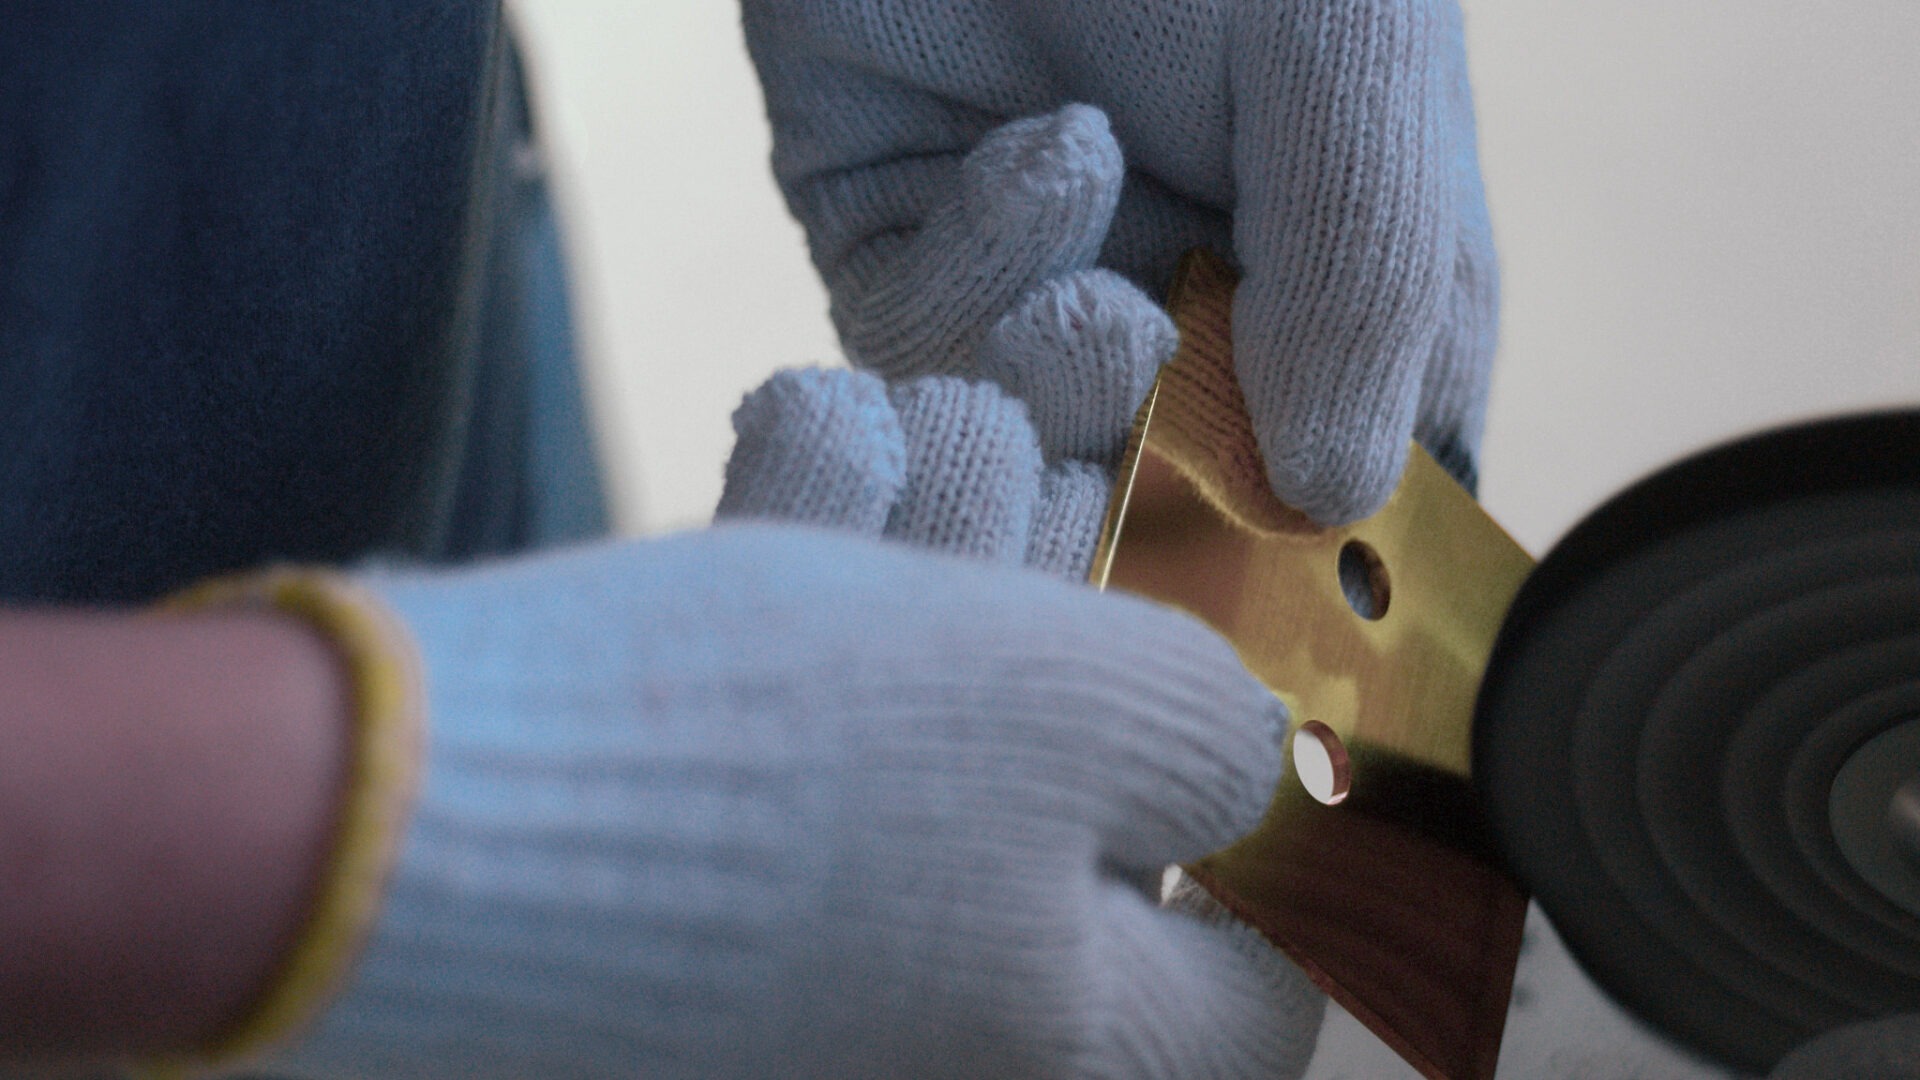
(955,466)
(774,802)
(939,161)
(942,463)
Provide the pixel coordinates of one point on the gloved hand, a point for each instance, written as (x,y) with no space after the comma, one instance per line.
(1328,147)
(759,801)
(955,466)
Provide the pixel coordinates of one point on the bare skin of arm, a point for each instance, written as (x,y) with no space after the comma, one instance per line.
(167,789)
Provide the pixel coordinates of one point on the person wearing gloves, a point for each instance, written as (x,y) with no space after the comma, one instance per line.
(282,287)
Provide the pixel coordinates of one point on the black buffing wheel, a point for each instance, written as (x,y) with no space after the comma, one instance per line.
(1699,738)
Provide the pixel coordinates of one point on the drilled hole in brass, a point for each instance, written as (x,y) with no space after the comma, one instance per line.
(1320,761)
(1363,578)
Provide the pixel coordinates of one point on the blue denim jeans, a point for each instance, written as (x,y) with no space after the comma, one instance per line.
(277,282)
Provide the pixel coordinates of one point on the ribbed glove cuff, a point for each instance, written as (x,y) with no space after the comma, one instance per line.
(383,758)
(589,886)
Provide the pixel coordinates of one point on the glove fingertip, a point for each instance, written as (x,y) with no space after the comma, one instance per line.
(1033,200)
(1082,352)
(1334,440)
(1039,167)
(819,446)
(1266,770)
(1338,488)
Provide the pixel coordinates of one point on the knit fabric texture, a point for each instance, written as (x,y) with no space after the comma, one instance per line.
(755,802)
(946,158)
(954,465)
(938,463)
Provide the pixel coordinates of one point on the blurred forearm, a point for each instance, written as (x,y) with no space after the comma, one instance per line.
(166,794)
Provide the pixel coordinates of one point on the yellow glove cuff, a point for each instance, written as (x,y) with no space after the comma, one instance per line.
(383,761)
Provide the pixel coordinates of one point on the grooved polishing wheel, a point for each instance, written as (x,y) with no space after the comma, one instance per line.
(1699,739)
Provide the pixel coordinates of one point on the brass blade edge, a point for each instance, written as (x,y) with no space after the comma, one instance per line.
(1393,901)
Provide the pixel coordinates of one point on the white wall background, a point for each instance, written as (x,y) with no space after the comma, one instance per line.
(1709,218)
(1708,212)
(692,282)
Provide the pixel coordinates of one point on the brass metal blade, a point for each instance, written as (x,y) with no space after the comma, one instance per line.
(1392,900)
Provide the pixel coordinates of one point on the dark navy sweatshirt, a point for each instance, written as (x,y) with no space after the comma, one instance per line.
(278,282)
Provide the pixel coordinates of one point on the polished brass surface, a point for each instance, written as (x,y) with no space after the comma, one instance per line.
(1392,899)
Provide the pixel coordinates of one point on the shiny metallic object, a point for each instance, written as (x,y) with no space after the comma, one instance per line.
(1377,633)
